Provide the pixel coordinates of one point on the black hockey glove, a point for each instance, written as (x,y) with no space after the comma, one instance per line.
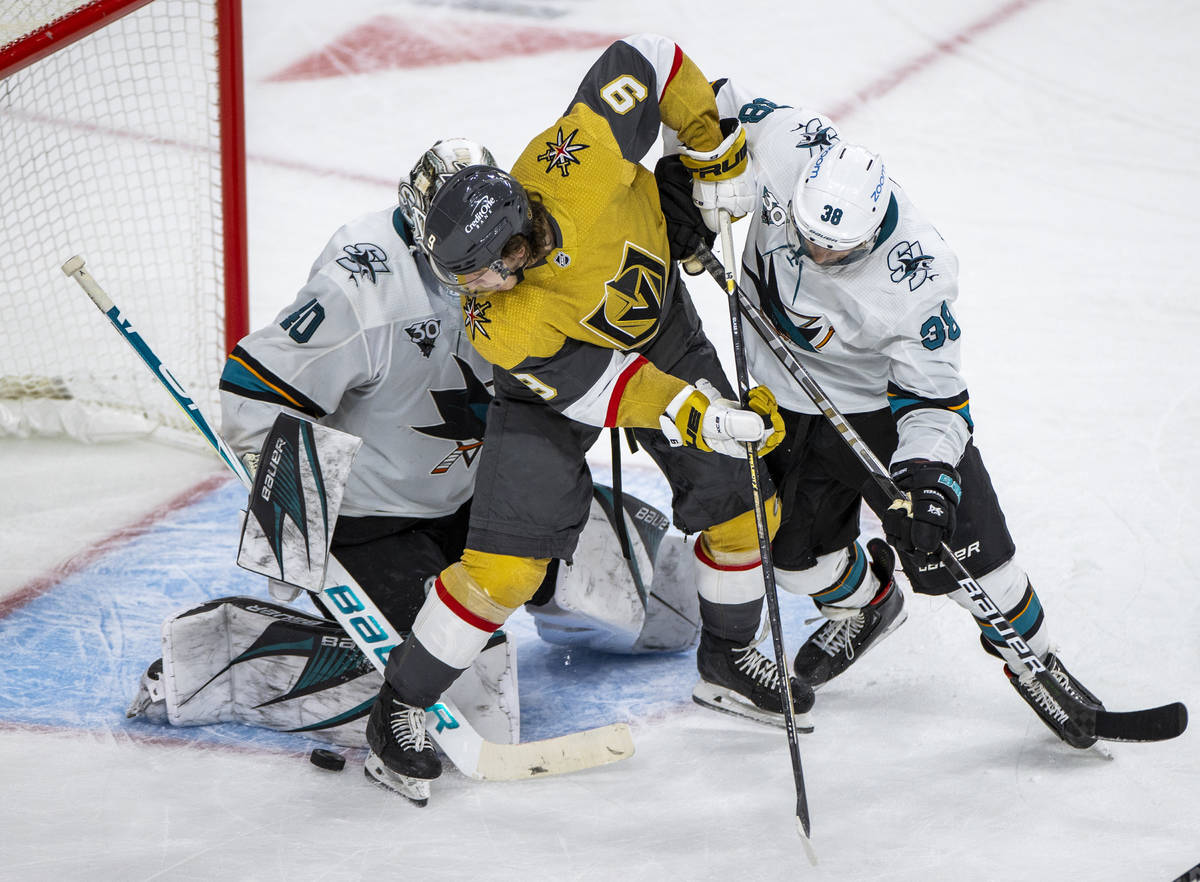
(685,228)
(934,490)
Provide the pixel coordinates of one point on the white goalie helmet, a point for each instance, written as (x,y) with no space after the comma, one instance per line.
(839,204)
(437,165)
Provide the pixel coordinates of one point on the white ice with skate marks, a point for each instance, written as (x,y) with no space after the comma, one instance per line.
(1016,141)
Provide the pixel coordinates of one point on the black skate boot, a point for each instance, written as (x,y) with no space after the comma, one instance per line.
(401,758)
(740,680)
(1046,707)
(841,641)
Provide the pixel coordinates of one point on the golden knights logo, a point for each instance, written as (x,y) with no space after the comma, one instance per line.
(632,306)
(562,152)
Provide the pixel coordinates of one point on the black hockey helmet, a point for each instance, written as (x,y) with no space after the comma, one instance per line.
(470,219)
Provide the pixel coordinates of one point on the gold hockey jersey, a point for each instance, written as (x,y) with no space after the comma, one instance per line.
(571,331)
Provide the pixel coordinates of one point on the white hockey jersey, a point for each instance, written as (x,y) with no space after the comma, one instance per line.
(874,334)
(374,347)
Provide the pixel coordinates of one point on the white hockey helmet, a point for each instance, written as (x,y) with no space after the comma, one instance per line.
(436,166)
(839,204)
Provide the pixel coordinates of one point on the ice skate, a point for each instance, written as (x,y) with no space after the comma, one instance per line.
(150,701)
(1046,707)
(849,633)
(740,680)
(401,758)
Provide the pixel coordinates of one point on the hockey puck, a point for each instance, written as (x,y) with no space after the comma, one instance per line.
(327,759)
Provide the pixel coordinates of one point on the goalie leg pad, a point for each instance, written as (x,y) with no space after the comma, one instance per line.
(243,660)
(248,661)
(606,601)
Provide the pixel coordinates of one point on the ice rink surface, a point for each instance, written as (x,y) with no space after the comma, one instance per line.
(1053,144)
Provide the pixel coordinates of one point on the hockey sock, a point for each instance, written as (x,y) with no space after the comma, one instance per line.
(1010,589)
(841,580)
(731,595)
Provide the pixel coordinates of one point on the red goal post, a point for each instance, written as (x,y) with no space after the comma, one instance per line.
(121,139)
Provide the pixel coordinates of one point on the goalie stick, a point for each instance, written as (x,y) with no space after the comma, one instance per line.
(374,635)
(803,820)
(1149,724)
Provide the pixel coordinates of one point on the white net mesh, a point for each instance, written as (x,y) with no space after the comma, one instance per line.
(110,149)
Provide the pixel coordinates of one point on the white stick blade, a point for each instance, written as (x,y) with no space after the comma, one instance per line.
(556,756)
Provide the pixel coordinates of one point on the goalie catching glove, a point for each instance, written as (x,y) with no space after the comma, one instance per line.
(922,522)
(699,417)
(719,177)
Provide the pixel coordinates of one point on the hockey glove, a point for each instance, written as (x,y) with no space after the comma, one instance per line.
(699,417)
(920,524)
(685,228)
(720,177)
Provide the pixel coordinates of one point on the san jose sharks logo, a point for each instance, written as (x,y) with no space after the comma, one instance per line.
(815,134)
(364,260)
(908,261)
(561,154)
(475,316)
(464,415)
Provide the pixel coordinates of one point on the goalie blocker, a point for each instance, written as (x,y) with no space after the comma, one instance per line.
(251,661)
(294,502)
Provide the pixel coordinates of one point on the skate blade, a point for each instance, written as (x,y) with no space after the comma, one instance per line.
(415,790)
(146,705)
(140,703)
(729,702)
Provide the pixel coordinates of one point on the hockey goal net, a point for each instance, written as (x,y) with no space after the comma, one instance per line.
(121,141)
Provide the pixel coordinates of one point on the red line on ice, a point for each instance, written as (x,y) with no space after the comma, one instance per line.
(82,559)
(387,43)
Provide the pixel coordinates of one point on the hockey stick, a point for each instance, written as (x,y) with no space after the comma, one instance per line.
(375,636)
(803,822)
(1149,724)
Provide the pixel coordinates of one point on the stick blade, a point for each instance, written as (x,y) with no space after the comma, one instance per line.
(1152,724)
(555,756)
(806,840)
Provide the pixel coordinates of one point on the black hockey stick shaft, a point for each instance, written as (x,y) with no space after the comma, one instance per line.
(803,820)
(1151,724)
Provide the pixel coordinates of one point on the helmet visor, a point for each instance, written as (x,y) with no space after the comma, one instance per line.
(492,277)
(828,257)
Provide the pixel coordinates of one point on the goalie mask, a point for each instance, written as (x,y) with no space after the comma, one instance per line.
(434,168)
(838,205)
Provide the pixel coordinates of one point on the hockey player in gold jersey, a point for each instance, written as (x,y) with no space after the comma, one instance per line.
(569,288)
